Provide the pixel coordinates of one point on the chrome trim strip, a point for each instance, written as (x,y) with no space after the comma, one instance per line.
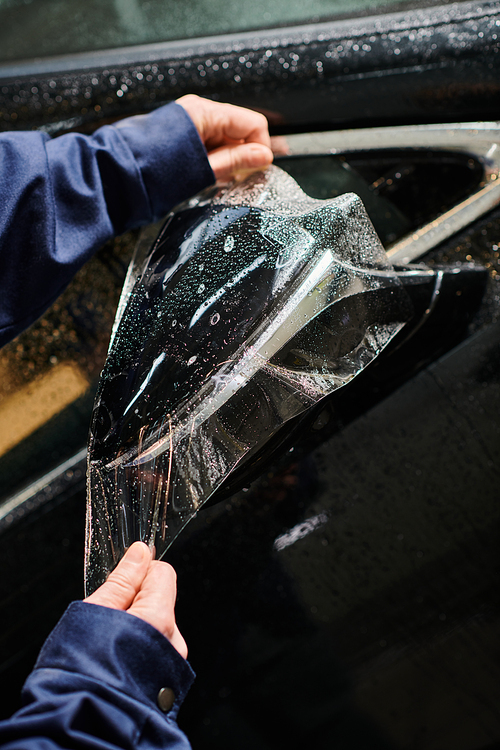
(38,493)
(481,140)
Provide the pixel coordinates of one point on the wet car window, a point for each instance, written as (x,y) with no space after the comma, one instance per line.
(40,28)
(391,183)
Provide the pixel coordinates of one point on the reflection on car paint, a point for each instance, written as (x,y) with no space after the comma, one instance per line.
(274,301)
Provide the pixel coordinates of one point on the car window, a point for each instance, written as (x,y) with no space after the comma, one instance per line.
(40,28)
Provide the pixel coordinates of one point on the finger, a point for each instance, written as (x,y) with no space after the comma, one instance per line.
(124,582)
(228,161)
(230,123)
(219,123)
(155,602)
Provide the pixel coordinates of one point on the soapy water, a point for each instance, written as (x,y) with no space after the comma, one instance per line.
(254,303)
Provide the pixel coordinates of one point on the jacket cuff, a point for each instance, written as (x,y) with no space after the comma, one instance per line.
(120,650)
(170,154)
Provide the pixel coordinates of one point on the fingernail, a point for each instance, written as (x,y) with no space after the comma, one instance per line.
(135,553)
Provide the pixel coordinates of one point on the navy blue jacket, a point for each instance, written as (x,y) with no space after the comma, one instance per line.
(96,685)
(62,198)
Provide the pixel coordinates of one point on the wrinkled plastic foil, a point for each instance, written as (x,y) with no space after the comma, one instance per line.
(254,302)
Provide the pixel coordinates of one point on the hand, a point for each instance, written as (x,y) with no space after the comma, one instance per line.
(144,588)
(237,139)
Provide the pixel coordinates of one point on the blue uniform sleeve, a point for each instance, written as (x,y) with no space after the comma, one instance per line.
(62,198)
(99,682)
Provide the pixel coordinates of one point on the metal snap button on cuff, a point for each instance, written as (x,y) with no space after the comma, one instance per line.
(165,699)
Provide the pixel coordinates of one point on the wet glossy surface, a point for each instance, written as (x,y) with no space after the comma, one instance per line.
(304,579)
(430,65)
(353,592)
(255,302)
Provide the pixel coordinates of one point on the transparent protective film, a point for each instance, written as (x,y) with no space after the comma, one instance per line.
(254,302)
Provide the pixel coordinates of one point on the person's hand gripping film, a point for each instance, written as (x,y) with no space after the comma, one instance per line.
(237,139)
(144,588)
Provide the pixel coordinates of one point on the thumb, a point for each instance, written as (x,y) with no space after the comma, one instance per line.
(123,583)
(227,161)
(155,603)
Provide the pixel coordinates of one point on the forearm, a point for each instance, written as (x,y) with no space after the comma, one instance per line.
(63,198)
